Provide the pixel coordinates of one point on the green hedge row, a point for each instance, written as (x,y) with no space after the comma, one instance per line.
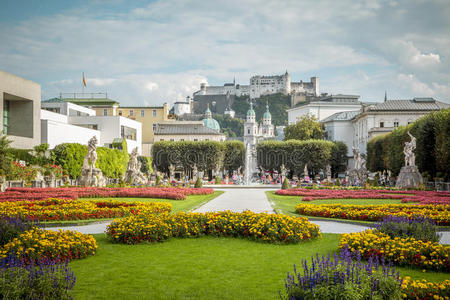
(70,156)
(229,155)
(432,132)
(294,154)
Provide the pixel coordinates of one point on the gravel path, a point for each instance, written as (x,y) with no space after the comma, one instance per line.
(238,200)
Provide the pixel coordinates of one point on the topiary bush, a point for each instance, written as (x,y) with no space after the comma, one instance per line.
(198,183)
(285,185)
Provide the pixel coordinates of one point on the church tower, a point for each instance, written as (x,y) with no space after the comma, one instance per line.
(250,127)
(268,129)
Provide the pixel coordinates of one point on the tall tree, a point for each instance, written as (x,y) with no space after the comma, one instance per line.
(307,127)
(5,157)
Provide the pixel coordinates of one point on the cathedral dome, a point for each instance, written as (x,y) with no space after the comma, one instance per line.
(209,122)
(250,111)
(267,114)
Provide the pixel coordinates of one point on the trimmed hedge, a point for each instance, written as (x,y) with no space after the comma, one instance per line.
(205,154)
(432,153)
(294,154)
(70,156)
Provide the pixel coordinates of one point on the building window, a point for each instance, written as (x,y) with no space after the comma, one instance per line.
(142,113)
(248,131)
(128,133)
(154,127)
(131,112)
(5,116)
(154,113)
(120,112)
(381,124)
(78,113)
(395,124)
(105,111)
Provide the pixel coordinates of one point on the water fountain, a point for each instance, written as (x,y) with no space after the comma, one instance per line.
(248,164)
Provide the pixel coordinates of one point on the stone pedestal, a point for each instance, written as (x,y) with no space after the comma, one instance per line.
(92,178)
(135,177)
(409,178)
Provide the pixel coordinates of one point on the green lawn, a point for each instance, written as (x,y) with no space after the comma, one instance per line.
(191,202)
(287,204)
(201,268)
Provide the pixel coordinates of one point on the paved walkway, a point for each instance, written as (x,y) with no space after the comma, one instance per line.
(238,200)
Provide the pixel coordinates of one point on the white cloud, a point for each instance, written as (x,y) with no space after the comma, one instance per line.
(410,81)
(151,86)
(100,81)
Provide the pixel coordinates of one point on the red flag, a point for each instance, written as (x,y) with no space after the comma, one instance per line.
(84,80)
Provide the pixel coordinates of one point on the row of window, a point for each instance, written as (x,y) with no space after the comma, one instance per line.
(105,112)
(5,116)
(396,124)
(182,140)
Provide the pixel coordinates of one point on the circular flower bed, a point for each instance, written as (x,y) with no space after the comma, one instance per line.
(439,213)
(55,245)
(270,228)
(66,209)
(401,251)
(422,289)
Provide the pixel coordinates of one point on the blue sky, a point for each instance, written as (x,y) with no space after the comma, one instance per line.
(148,53)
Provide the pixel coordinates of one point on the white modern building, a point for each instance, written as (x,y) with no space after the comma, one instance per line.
(20,109)
(186,131)
(356,128)
(65,122)
(325,107)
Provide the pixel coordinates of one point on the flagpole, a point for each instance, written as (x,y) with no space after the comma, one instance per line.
(83,83)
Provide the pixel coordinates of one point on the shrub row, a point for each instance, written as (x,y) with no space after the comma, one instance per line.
(54,209)
(257,226)
(432,132)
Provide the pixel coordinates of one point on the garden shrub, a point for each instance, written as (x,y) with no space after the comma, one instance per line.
(286,184)
(5,155)
(234,157)
(12,227)
(146,164)
(418,227)
(198,183)
(20,172)
(112,162)
(265,227)
(41,279)
(70,157)
(341,277)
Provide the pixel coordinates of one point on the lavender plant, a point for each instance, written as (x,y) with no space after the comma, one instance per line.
(419,227)
(343,276)
(11,227)
(41,279)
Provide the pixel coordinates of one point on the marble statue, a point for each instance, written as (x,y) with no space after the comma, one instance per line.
(90,175)
(328,172)
(409,176)
(171,172)
(194,172)
(358,175)
(134,176)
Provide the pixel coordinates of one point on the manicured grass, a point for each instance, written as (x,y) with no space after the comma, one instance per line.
(287,204)
(199,268)
(192,202)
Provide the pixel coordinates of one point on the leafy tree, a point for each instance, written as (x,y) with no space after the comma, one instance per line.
(70,157)
(146,164)
(338,160)
(231,127)
(234,155)
(5,156)
(307,127)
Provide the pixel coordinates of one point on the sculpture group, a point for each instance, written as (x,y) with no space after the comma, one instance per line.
(90,175)
(409,176)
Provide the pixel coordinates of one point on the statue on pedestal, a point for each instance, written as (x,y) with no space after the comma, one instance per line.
(358,175)
(171,172)
(409,176)
(90,175)
(134,176)
(194,172)
(328,172)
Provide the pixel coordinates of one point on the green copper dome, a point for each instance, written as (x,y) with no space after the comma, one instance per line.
(209,122)
(267,114)
(250,111)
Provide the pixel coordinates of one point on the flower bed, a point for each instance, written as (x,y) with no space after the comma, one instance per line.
(421,197)
(439,213)
(37,243)
(401,251)
(22,194)
(258,226)
(422,289)
(65,209)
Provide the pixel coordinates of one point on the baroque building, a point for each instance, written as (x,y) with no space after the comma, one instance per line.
(254,132)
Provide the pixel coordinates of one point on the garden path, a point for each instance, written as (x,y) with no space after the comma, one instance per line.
(238,200)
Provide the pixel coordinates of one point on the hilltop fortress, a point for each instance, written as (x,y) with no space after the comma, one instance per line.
(263,85)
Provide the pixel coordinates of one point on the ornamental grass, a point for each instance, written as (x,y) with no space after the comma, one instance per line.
(60,245)
(65,209)
(401,251)
(33,194)
(419,197)
(438,213)
(265,227)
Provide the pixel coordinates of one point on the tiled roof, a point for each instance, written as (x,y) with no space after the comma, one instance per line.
(408,105)
(341,116)
(184,128)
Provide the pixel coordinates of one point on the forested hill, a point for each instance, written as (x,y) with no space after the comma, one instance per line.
(278,104)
